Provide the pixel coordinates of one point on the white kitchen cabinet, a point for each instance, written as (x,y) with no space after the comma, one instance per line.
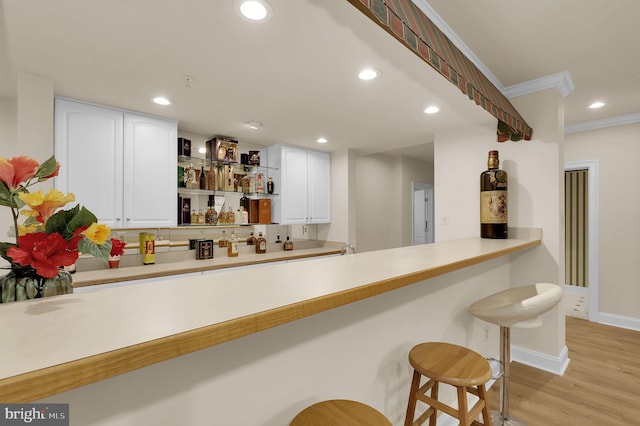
(118,164)
(303,185)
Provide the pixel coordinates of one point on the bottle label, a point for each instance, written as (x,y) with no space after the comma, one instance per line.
(493,207)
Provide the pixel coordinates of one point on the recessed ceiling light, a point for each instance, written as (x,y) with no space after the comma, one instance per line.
(254,125)
(202,150)
(322,140)
(596,105)
(369,74)
(431,109)
(160,100)
(255,10)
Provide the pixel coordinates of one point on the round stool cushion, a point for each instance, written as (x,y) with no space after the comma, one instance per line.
(451,364)
(340,412)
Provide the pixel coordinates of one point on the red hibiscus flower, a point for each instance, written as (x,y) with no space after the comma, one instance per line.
(46,253)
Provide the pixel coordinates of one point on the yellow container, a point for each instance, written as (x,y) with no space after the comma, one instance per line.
(148,248)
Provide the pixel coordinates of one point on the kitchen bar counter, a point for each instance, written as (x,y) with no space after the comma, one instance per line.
(61,343)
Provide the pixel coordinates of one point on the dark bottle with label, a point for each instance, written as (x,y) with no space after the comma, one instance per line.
(270,186)
(203,179)
(493,199)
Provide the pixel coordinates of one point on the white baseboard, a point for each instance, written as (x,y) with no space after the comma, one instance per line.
(556,365)
(619,321)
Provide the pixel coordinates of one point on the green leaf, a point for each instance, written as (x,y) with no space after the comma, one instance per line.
(89,247)
(81,217)
(47,168)
(59,223)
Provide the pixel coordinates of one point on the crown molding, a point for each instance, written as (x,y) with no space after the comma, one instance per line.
(562,81)
(620,120)
(457,41)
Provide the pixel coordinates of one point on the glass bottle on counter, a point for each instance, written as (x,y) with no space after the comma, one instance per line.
(288,244)
(222,241)
(251,240)
(493,199)
(261,244)
(232,246)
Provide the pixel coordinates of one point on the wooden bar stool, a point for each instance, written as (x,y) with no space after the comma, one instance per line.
(454,365)
(340,412)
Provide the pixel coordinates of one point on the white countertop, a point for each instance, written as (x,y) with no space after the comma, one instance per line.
(58,343)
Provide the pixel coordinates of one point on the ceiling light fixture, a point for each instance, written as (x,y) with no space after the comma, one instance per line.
(596,105)
(254,125)
(255,10)
(431,109)
(160,100)
(202,150)
(369,74)
(322,140)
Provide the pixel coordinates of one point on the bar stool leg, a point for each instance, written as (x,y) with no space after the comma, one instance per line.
(434,395)
(502,418)
(411,406)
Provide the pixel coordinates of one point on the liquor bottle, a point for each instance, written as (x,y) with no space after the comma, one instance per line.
(244,202)
(493,199)
(194,217)
(245,216)
(219,179)
(232,246)
(244,183)
(200,217)
(288,244)
(261,244)
(278,240)
(211,179)
(251,240)
(203,179)
(222,241)
(211,217)
(270,185)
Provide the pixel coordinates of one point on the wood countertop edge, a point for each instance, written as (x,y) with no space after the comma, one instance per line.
(204,268)
(52,380)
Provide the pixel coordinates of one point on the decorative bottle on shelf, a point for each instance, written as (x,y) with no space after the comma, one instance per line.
(232,246)
(245,216)
(211,178)
(261,244)
(493,199)
(251,240)
(219,179)
(194,217)
(222,241)
(211,217)
(203,178)
(270,185)
(278,240)
(200,217)
(288,244)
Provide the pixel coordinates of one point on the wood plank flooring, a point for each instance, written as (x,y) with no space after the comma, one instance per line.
(601,386)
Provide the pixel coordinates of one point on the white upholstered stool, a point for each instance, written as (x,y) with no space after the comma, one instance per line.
(519,307)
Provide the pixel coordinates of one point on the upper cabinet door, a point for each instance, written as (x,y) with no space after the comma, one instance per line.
(88,145)
(150,170)
(319,187)
(293,192)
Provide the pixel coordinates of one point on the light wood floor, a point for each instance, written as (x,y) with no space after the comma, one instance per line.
(601,386)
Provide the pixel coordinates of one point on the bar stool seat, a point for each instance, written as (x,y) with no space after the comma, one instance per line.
(340,412)
(466,370)
(517,307)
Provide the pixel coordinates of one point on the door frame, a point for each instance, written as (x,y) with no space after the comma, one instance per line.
(428,188)
(592,244)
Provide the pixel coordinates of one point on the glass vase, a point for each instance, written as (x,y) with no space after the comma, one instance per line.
(25,283)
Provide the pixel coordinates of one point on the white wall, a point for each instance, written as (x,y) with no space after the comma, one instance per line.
(535,172)
(617,152)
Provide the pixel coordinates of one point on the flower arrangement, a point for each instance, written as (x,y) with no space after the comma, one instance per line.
(50,237)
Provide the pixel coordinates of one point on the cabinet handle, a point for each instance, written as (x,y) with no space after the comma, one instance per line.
(118,219)
(128,219)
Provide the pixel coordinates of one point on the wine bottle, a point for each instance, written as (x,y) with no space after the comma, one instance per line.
(203,179)
(493,199)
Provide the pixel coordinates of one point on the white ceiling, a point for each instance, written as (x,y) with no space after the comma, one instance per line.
(297,72)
